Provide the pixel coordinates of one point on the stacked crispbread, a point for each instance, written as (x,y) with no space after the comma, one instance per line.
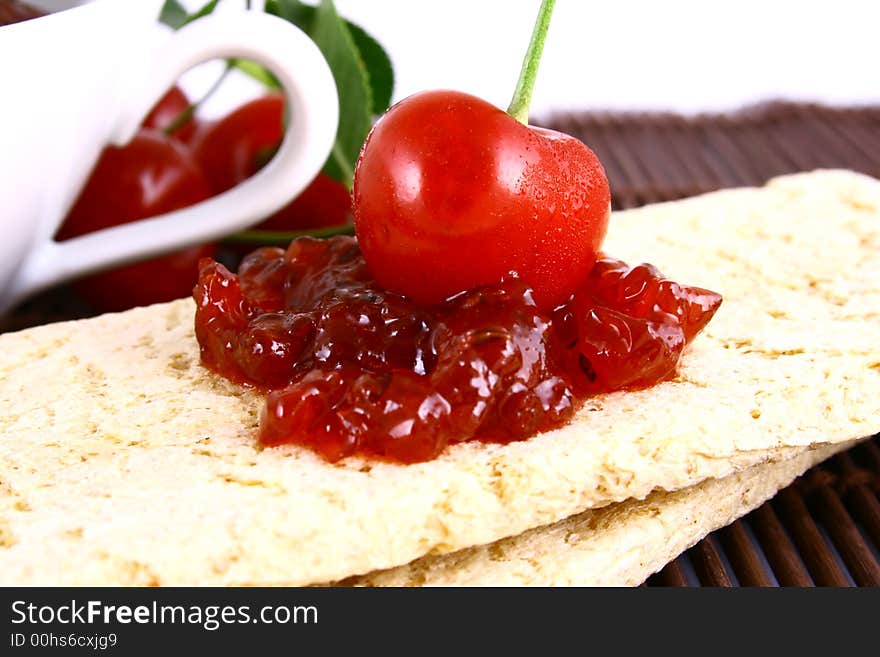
(123,461)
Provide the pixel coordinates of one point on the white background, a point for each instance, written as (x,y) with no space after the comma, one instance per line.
(684,55)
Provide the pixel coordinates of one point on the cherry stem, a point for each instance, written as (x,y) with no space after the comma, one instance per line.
(190,111)
(284,237)
(522,95)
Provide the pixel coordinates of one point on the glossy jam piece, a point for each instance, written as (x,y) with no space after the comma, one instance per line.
(352,369)
(494,365)
(626,327)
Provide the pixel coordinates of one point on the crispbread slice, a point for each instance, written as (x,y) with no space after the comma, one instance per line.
(122,461)
(617,545)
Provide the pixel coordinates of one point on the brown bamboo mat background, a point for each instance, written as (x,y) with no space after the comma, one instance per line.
(825,528)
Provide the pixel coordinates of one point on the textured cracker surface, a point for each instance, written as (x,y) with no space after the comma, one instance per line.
(618,545)
(122,461)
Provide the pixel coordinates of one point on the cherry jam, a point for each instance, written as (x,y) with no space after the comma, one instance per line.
(352,369)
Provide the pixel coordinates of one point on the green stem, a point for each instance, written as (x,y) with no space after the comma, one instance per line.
(188,113)
(283,238)
(179,120)
(522,95)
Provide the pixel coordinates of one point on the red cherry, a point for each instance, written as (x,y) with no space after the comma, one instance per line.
(238,145)
(232,149)
(325,202)
(451,193)
(167,110)
(150,175)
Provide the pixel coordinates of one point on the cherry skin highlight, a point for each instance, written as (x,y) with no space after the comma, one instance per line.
(451,193)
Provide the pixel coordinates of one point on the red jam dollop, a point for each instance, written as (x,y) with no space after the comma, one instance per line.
(352,369)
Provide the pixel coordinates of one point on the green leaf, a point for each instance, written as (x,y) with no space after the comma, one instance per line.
(298,13)
(378,67)
(376,60)
(175,15)
(333,37)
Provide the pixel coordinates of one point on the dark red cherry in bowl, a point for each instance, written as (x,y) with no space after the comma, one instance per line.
(451,193)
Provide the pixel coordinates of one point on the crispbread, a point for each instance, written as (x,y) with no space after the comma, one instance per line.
(617,545)
(123,461)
